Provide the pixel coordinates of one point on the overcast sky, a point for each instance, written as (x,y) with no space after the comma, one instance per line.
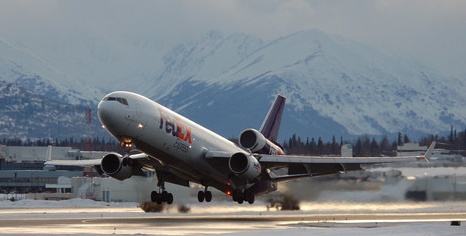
(431,30)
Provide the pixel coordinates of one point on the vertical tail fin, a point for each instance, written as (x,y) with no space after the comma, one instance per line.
(271,124)
(429,152)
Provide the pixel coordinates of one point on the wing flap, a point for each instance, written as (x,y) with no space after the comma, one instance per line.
(318,169)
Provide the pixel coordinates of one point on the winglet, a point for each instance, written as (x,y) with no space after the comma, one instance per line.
(271,124)
(429,152)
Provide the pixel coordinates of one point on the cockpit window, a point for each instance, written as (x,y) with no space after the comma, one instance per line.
(118,99)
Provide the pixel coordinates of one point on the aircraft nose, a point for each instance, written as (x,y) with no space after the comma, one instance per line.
(103,111)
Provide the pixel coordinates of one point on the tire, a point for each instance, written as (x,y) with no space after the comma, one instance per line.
(153,196)
(169,198)
(164,196)
(208,196)
(200,196)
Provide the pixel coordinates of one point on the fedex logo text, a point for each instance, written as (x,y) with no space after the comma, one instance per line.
(175,128)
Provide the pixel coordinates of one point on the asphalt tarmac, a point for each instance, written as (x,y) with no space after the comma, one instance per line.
(133,222)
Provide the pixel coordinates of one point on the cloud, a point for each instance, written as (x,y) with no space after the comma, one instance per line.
(427,29)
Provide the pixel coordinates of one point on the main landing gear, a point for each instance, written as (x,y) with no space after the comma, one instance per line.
(158,197)
(240,197)
(204,195)
(162,197)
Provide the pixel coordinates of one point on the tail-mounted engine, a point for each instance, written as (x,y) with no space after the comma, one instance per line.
(244,165)
(115,166)
(256,142)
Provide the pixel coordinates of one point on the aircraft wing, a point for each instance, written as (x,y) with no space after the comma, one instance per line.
(140,157)
(316,166)
(308,166)
(141,162)
(278,160)
(82,163)
(311,166)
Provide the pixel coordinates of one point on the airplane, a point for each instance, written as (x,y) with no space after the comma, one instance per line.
(181,151)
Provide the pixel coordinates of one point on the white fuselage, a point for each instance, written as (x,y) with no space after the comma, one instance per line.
(165,135)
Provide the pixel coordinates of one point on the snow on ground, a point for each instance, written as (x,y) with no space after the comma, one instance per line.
(317,207)
(360,228)
(424,229)
(72,203)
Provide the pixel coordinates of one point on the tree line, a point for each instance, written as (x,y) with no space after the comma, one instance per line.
(365,145)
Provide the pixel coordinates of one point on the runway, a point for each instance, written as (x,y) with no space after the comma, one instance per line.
(131,221)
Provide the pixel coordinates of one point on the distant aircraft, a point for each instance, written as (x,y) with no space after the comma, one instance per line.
(181,151)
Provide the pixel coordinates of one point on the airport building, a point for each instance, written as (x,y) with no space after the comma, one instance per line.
(134,189)
(438,156)
(22,168)
(23,173)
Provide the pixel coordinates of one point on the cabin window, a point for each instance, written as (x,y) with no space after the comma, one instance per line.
(118,99)
(123,101)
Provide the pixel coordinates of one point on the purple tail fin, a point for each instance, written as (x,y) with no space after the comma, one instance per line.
(271,124)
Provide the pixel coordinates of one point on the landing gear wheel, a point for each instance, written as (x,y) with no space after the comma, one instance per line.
(164,195)
(160,198)
(156,197)
(153,196)
(249,198)
(169,198)
(238,197)
(201,196)
(208,196)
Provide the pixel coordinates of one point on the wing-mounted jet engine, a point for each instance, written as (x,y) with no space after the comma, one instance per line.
(244,165)
(256,142)
(116,166)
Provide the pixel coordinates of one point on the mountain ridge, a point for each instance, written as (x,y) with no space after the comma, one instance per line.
(226,82)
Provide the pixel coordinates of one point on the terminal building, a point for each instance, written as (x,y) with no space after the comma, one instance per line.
(438,156)
(22,168)
(22,171)
(23,174)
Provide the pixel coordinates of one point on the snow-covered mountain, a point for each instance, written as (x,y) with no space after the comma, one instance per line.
(24,114)
(20,65)
(227,82)
(333,86)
